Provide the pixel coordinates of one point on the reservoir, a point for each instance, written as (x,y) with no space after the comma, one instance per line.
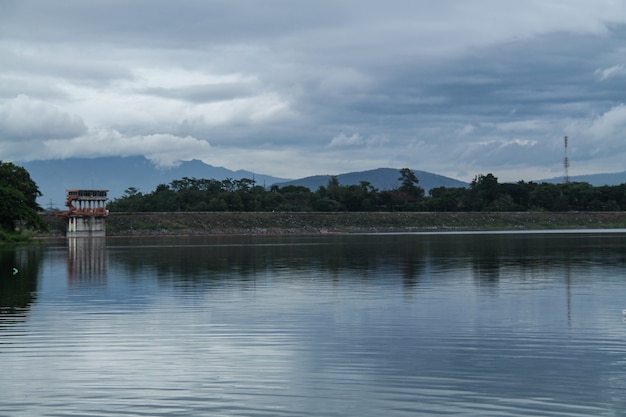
(463,324)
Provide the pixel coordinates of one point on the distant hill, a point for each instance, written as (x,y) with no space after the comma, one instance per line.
(381,178)
(596,180)
(116,174)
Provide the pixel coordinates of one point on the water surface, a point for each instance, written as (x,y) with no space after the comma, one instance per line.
(501,324)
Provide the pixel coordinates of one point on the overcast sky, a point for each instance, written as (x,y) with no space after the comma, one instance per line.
(297,88)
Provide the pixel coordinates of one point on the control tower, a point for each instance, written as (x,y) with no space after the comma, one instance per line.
(87,213)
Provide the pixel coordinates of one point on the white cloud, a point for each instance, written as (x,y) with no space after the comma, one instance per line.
(526,126)
(164,150)
(343,140)
(136,103)
(355,140)
(610,127)
(605,73)
(175,77)
(25,118)
(466,130)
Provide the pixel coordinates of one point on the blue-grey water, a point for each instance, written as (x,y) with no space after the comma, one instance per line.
(493,324)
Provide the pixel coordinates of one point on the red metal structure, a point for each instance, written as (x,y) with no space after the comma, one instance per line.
(86,213)
(88,203)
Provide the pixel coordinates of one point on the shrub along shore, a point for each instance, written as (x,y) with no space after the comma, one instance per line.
(259,223)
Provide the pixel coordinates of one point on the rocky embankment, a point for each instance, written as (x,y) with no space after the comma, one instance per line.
(198,223)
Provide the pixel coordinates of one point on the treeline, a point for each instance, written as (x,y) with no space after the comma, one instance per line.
(18,203)
(483,194)
(486,194)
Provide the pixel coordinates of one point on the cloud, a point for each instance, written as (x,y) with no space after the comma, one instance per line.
(343,140)
(136,106)
(165,150)
(25,118)
(355,140)
(608,130)
(447,86)
(466,130)
(613,71)
(191,86)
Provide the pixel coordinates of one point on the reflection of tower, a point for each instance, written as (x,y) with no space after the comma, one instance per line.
(86,214)
(87,261)
(568,280)
(566,163)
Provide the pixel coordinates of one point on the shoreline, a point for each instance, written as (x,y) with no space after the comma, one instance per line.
(311,223)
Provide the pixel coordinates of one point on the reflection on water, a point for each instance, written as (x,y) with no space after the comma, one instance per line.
(369,325)
(18,277)
(87,261)
(486,259)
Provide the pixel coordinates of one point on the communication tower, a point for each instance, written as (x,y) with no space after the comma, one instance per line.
(566,163)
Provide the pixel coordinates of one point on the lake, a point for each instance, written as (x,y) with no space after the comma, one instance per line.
(464,324)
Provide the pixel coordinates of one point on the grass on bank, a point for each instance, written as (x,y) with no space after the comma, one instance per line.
(16,237)
(145,225)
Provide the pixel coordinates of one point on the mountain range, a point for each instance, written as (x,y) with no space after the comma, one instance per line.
(117,174)
(615,178)
(381,178)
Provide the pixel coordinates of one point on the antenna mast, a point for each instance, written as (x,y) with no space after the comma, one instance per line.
(566,163)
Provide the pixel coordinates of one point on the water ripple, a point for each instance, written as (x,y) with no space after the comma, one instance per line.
(322,334)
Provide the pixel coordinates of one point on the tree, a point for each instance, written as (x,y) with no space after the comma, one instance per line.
(448,199)
(408,183)
(484,190)
(326,204)
(409,191)
(407,179)
(18,199)
(131,191)
(293,198)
